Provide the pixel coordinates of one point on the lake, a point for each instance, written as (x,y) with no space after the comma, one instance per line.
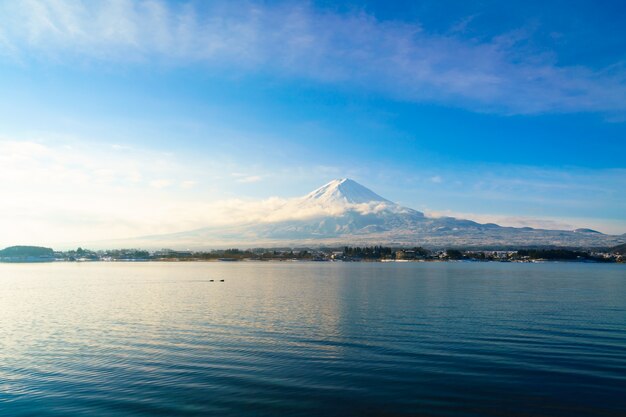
(312,339)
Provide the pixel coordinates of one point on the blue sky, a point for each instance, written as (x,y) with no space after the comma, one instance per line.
(122,118)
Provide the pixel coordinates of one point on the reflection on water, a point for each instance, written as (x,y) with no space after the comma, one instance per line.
(434,339)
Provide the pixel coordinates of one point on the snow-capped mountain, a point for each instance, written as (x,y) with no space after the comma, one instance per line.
(343,191)
(345,212)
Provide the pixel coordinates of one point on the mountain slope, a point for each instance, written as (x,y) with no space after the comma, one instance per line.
(621,249)
(345,212)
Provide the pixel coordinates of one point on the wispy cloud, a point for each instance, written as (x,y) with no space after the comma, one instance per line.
(63,190)
(188,184)
(160,183)
(248,179)
(398,59)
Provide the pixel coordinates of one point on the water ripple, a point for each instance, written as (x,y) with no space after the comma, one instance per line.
(313,339)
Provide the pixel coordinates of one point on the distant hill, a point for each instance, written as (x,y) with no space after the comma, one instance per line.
(586,231)
(25,251)
(621,249)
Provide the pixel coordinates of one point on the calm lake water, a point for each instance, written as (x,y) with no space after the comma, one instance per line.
(318,339)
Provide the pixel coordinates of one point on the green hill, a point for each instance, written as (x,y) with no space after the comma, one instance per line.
(23,251)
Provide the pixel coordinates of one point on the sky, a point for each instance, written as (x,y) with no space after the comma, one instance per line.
(125,118)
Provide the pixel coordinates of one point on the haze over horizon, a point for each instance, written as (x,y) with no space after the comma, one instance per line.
(124,119)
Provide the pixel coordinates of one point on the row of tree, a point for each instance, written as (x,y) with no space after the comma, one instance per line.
(348,253)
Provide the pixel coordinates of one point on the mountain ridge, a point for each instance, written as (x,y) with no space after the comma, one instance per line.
(346,212)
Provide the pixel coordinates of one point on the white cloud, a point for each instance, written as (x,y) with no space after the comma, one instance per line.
(55,191)
(436,179)
(274,209)
(398,59)
(160,183)
(249,179)
(187,184)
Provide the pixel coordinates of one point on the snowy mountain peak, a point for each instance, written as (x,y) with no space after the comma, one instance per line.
(343,191)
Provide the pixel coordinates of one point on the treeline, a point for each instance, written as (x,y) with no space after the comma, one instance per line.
(419,253)
(556,254)
(373,252)
(238,254)
(346,253)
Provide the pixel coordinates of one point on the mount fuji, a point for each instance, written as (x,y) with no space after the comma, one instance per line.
(344,212)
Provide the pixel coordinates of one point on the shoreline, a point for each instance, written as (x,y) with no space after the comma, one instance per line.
(383,261)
